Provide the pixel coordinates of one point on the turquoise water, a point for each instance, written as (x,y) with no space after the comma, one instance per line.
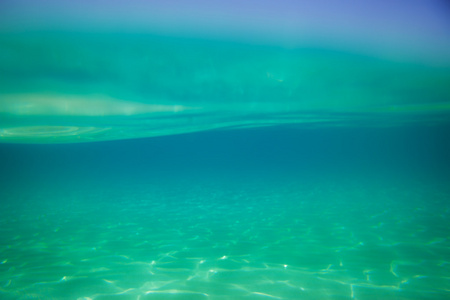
(151,166)
(95,86)
(283,213)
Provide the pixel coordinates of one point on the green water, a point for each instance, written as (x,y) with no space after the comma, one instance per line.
(78,87)
(252,214)
(207,239)
(120,176)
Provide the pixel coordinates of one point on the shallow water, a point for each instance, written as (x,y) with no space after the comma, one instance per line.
(60,87)
(209,150)
(283,213)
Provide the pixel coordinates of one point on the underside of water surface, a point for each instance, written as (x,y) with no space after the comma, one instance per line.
(223,150)
(69,86)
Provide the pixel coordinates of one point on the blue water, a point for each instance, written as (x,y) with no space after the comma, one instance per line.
(280,212)
(209,150)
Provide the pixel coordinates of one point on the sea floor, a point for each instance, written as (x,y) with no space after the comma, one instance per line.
(227,240)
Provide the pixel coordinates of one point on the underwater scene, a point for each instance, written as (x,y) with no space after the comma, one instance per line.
(224,150)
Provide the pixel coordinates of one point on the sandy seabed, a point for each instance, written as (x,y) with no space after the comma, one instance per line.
(219,241)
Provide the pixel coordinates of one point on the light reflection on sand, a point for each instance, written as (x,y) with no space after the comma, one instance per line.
(269,254)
